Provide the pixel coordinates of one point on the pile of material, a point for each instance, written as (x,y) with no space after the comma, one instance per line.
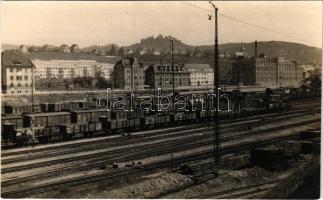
(272,158)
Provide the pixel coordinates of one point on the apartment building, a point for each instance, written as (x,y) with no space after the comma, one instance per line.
(16,73)
(71,68)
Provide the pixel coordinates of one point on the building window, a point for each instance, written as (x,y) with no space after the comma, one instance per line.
(26,78)
(11,69)
(11,85)
(19,84)
(11,78)
(26,84)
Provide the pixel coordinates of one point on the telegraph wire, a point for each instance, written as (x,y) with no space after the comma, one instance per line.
(250,24)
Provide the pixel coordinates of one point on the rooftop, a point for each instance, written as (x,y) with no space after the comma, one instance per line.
(195,67)
(48,114)
(15,58)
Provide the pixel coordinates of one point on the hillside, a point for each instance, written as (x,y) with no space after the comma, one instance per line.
(96,47)
(160,42)
(301,53)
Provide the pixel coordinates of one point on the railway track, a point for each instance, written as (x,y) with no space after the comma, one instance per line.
(169,143)
(162,149)
(239,192)
(165,148)
(32,190)
(88,145)
(227,150)
(301,107)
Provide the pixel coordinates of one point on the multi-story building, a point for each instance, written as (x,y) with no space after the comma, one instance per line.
(46,69)
(200,74)
(161,76)
(265,71)
(16,73)
(128,74)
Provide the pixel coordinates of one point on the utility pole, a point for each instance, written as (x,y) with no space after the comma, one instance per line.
(173,68)
(216,121)
(32,102)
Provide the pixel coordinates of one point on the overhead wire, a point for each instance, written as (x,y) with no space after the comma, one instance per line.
(248,23)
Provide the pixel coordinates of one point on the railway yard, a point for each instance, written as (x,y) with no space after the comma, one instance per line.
(261,153)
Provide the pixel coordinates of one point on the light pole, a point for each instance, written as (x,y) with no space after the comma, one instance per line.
(32,102)
(216,121)
(173,70)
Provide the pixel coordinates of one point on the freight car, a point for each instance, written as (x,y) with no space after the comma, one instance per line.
(53,126)
(46,119)
(65,106)
(69,131)
(20,109)
(85,116)
(16,120)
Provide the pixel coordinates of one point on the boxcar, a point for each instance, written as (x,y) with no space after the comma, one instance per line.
(46,119)
(20,109)
(16,120)
(85,116)
(46,134)
(43,107)
(8,132)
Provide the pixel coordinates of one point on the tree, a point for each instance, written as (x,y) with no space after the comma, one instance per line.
(121,51)
(49,84)
(196,51)
(113,50)
(67,83)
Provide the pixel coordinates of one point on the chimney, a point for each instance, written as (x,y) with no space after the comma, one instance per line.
(256,49)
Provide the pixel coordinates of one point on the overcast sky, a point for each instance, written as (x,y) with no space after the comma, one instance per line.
(125,23)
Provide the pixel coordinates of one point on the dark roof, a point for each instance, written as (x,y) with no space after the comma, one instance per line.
(196,67)
(128,62)
(160,68)
(15,58)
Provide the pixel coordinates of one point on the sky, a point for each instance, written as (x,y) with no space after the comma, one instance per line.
(124,23)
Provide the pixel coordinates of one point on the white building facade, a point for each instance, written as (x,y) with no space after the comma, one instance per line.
(16,73)
(200,74)
(45,69)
